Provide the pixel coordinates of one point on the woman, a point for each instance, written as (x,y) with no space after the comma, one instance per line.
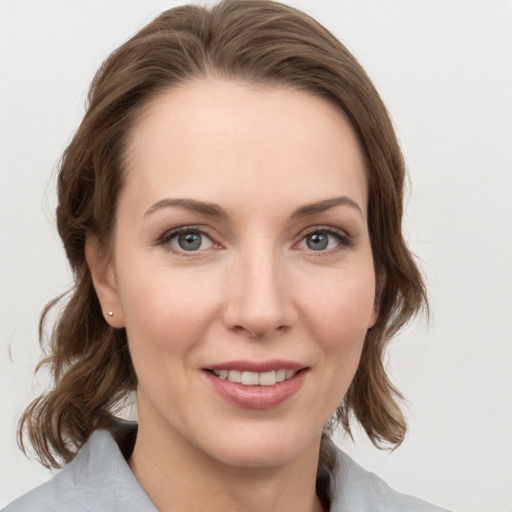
(231,208)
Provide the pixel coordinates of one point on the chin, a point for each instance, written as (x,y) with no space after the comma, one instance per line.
(259,446)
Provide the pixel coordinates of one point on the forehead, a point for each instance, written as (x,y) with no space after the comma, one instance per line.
(228,139)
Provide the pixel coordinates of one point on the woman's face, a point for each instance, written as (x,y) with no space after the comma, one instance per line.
(241,252)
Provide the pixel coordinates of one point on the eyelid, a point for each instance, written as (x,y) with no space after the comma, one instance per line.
(345,240)
(163,240)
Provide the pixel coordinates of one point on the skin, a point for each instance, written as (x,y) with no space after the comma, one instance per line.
(254,290)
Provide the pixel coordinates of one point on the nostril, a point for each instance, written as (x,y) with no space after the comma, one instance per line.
(260,333)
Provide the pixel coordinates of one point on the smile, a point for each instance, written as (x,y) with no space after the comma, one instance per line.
(252,385)
(269,378)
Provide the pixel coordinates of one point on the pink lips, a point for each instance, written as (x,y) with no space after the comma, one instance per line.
(257,397)
(252,366)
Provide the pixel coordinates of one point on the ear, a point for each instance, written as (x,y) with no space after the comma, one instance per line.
(373,317)
(104,280)
(379,286)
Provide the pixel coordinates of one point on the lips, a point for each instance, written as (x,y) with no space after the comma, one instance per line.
(256,385)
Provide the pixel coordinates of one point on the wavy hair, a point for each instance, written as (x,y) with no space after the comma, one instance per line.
(255,41)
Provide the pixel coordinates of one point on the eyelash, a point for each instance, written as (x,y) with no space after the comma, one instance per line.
(165,239)
(344,240)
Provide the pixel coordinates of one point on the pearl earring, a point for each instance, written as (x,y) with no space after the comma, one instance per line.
(110,314)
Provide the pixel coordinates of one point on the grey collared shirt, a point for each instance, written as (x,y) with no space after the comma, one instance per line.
(99,479)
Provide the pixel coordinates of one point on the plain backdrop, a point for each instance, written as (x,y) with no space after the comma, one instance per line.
(444,69)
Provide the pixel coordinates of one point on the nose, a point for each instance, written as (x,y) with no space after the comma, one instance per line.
(259,295)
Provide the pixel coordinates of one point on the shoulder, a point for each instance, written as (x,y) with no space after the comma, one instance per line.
(97,479)
(354,488)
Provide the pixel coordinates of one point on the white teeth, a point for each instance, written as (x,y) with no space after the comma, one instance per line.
(235,376)
(268,378)
(255,378)
(250,379)
(280,375)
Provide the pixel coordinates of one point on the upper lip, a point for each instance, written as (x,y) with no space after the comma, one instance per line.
(257,367)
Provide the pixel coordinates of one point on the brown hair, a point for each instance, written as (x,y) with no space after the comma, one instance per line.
(257,41)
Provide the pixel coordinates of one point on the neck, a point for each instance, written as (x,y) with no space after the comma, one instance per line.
(177,476)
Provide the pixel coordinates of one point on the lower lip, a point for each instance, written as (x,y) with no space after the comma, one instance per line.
(257,397)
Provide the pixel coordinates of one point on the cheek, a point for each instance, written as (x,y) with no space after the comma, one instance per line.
(343,306)
(166,311)
(338,317)
(167,318)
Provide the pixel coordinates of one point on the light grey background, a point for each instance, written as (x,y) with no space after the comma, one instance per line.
(444,69)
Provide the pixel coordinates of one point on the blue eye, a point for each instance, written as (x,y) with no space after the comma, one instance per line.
(189,241)
(317,241)
(322,240)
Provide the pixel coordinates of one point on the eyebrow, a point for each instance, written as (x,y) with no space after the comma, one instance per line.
(214,210)
(326,204)
(210,209)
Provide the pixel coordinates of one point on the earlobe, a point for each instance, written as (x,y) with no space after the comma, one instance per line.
(380,282)
(103,278)
(374,317)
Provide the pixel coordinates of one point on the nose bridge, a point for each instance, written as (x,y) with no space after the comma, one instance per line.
(259,302)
